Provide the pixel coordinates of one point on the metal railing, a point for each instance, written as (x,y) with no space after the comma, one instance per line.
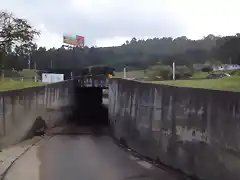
(93,81)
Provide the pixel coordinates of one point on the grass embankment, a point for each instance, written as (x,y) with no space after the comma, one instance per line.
(19,80)
(227,83)
(11,84)
(198,80)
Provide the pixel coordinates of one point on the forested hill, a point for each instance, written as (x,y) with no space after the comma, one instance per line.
(136,54)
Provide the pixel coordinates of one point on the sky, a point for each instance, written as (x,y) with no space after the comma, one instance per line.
(112,22)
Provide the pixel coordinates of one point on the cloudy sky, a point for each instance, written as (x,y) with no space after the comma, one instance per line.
(112,22)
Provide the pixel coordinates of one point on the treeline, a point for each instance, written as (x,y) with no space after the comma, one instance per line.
(18,51)
(136,54)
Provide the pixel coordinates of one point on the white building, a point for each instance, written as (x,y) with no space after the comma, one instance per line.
(52,78)
(226,67)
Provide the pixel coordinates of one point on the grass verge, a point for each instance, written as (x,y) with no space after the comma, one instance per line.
(226,83)
(11,84)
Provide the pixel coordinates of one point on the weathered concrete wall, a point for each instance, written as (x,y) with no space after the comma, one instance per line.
(194,130)
(20,108)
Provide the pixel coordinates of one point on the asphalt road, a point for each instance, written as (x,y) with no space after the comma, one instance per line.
(82,157)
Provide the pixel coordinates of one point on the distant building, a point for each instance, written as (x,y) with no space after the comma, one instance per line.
(226,67)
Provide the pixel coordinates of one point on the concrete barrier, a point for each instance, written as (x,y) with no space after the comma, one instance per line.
(25,111)
(20,108)
(196,131)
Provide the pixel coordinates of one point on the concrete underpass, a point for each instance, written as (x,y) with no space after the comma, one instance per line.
(82,149)
(89,109)
(148,131)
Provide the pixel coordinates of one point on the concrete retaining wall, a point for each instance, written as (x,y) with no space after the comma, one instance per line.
(194,130)
(20,108)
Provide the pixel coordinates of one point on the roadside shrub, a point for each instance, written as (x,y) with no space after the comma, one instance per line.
(207,69)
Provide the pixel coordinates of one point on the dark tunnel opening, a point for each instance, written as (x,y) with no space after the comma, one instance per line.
(89,109)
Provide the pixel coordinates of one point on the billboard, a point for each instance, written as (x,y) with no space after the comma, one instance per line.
(74,40)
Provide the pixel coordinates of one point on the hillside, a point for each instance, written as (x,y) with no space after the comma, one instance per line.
(136,54)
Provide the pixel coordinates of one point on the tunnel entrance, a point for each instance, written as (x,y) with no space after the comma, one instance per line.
(88,108)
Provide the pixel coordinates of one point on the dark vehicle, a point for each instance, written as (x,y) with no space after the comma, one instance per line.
(139,79)
(217,75)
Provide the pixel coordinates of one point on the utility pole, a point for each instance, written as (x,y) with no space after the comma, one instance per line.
(29,61)
(230,60)
(125,72)
(173,70)
(3,63)
(35,67)
(2,70)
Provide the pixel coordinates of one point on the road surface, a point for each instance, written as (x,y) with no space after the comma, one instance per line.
(82,157)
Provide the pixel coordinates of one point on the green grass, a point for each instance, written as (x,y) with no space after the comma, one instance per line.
(14,82)
(199,75)
(227,83)
(10,84)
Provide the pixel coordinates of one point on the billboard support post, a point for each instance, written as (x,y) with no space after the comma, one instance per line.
(70,42)
(173,70)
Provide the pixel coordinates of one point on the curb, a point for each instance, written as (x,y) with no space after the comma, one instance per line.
(2,176)
(160,165)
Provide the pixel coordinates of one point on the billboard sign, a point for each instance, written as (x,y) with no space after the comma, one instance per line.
(74,40)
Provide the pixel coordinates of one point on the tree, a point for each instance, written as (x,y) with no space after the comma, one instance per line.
(160,73)
(15,34)
(134,40)
(207,69)
(15,31)
(228,51)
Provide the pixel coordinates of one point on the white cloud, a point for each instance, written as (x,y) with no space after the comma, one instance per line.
(112,22)
(47,38)
(115,41)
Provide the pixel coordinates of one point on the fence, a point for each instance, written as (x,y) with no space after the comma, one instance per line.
(20,108)
(194,130)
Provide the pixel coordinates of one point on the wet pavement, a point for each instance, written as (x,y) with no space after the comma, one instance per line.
(82,157)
